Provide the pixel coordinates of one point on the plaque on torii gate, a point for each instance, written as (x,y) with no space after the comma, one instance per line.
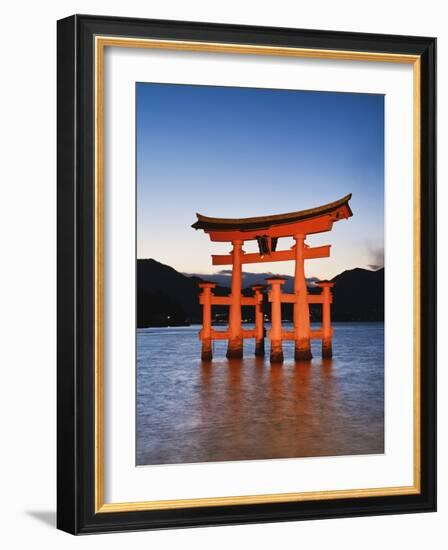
(267,230)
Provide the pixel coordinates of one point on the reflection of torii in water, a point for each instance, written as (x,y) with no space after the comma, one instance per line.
(266,230)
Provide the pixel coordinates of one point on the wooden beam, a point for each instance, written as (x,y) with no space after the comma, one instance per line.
(312,299)
(278,256)
(224,334)
(227,300)
(220,334)
(314,334)
(221,300)
(317,299)
(249,301)
(288,298)
(313,252)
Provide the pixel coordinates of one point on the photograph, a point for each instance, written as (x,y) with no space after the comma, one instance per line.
(259,273)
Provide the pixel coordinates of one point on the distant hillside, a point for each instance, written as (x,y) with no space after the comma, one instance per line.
(166,297)
(359,295)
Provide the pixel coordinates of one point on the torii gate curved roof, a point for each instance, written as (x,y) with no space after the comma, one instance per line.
(312,220)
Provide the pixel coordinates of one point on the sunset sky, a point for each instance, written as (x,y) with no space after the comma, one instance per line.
(240,152)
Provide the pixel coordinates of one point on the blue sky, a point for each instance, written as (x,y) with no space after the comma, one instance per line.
(237,152)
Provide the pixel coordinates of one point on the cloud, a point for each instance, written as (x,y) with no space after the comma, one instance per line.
(376,254)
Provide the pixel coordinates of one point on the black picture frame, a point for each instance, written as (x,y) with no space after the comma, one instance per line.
(76,272)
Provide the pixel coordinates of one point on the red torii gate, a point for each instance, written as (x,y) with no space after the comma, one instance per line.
(266,230)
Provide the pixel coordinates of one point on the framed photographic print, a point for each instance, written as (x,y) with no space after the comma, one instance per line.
(246,274)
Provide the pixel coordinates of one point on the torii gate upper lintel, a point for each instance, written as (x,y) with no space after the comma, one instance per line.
(267,230)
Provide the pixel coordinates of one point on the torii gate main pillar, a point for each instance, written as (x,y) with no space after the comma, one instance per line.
(235,345)
(302,334)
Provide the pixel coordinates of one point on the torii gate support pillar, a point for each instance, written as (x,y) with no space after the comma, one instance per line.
(327,333)
(206,332)
(302,330)
(259,320)
(275,334)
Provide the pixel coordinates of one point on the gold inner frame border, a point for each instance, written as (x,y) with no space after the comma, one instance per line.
(100,43)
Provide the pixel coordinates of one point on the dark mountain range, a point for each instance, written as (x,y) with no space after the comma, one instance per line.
(166,297)
(358,295)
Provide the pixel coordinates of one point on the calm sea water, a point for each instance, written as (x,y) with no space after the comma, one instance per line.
(189,411)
